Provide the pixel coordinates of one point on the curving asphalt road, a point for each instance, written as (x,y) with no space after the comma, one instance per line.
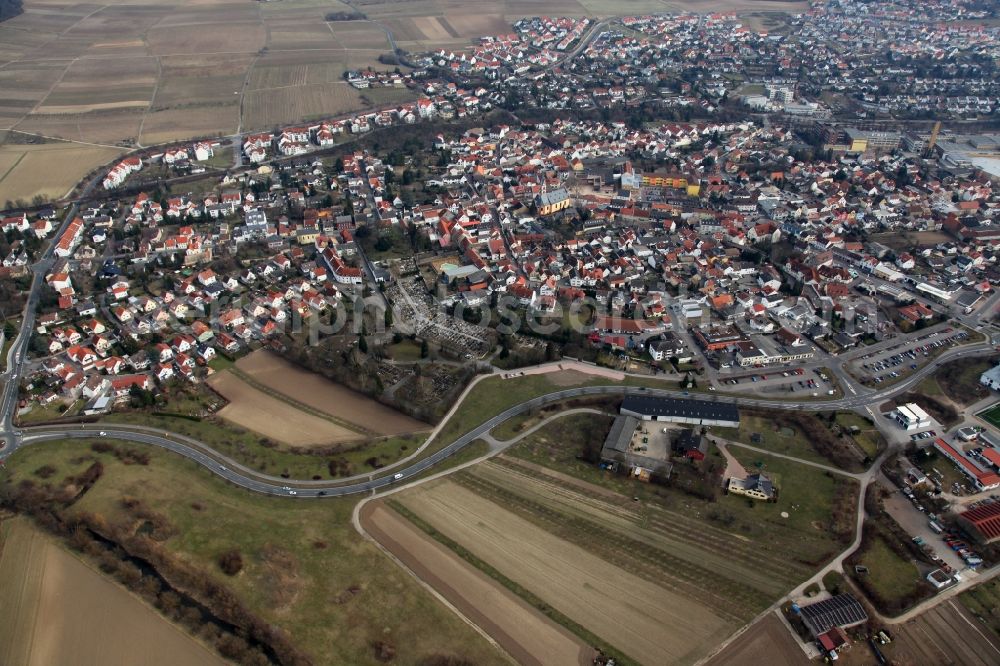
(247,478)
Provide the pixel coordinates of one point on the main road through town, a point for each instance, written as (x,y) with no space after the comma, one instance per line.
(417,464)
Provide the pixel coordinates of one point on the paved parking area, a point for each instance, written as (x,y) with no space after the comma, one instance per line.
(894,363)
(917,523)
(779,381)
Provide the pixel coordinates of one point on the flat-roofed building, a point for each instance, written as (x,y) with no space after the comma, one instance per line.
(679,410)
(991,378)
(911,417)
(980,478)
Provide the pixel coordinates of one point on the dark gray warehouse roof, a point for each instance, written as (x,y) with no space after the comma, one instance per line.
(842,610)
(621,434)
(681,408)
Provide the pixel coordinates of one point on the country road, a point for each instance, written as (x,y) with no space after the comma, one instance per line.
(418,463)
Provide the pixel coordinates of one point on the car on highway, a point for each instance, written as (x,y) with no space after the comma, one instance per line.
(292,492)
(397,476)
(102,434)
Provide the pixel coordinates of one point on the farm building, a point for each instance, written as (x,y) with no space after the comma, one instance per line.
(755,486)
(834,640)
(675,410)
(982,521)
(627,449)
(691,445)
(841,611)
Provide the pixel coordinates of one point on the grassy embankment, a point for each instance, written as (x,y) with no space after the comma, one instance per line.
(305,567)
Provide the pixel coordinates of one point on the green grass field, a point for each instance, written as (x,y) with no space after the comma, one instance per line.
(815,500)
(868,438)
(991,415)
(790,442)
(405,351)
(889,574)
(306,569)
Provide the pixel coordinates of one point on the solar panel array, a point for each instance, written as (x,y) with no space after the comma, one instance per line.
(842,610)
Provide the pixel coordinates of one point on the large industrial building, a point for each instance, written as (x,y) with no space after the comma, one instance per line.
(643,452)
(679,410)
(983,521)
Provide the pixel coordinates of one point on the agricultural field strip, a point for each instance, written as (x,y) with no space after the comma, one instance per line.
(72,612)
(23,566)
(321,393)
(275,419)
(679,526)
(673,523)
(12,166)
(656,624)
(301,406)
(735,603)
(514,622)
(536,495)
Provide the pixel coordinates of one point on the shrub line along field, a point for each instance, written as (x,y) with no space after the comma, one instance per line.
(54,609)
(305,569)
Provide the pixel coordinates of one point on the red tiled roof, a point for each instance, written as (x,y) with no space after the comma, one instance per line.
(986,518)
(992,455)
(986,479)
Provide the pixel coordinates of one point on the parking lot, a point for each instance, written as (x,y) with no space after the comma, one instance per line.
(775,381)
(893,364)
(917,523)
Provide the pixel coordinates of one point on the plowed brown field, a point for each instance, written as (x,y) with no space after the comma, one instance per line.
(321,394)
(274,418)
(649,623)
(523,632)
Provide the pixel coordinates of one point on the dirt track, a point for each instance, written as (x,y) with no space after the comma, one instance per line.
(649,623)
(273,418)
(523,632)
(321,394)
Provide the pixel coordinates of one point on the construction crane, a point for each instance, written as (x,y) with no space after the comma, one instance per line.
(932,141)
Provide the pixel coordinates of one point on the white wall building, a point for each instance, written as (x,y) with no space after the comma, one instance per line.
(911,417)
